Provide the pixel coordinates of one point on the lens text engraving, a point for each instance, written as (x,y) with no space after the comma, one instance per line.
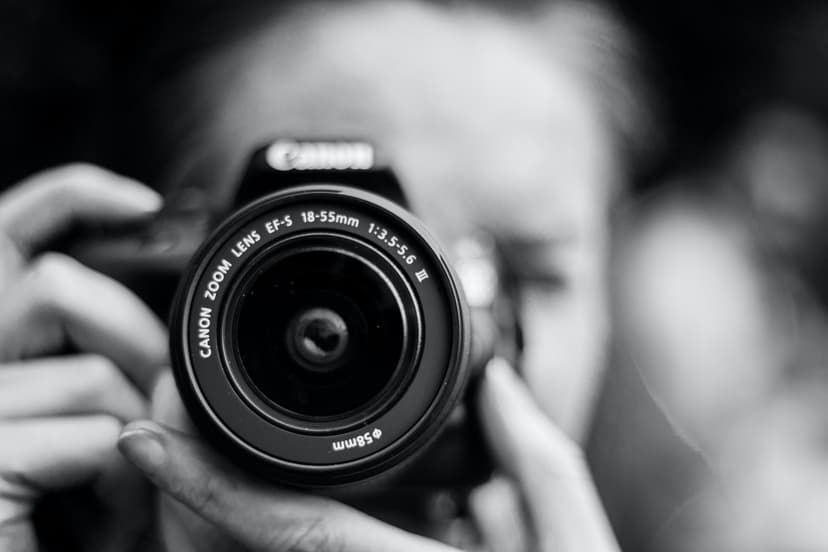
(204,322)
(359,441)
(329,217)
(216,279)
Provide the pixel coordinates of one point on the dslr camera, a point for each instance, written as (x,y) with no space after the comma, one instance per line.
(319,336)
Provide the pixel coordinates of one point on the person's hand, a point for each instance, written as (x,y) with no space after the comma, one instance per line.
(235,511)
(546,476)
(77,352)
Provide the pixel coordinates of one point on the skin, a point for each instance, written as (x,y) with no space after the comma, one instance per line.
(487,127)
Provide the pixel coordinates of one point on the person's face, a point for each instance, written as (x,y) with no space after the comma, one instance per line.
(484,125)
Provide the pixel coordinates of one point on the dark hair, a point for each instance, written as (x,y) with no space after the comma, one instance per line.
(153,109)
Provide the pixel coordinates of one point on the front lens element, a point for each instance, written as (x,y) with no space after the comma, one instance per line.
(319,337)
(319,330)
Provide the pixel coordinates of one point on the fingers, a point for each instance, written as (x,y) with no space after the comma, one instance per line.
(257,515)
(82,384)
(60,301)
(43,454)
(32,395)
(497,509)
(40,207)
(59,417)
(548,468)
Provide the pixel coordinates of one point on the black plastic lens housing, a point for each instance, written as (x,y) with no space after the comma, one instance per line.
(319,336)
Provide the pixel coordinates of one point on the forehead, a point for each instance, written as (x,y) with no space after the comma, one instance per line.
(482,123)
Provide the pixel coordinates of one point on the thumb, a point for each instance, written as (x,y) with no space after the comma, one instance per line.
(257,515)
(253,513)
(547,466)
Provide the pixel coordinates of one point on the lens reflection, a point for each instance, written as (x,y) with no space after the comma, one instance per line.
(318,339)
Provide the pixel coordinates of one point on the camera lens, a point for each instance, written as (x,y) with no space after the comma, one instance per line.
(320,329)
(319,337)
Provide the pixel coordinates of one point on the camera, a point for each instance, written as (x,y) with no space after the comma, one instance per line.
(319,336)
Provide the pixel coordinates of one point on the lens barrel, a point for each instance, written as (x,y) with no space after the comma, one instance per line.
(319,337)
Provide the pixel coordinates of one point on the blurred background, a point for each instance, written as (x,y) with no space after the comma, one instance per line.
(721,248)
(713,64)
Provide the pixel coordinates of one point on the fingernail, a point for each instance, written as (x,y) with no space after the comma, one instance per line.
(142,443)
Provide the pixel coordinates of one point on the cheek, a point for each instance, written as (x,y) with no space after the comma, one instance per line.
(566,336)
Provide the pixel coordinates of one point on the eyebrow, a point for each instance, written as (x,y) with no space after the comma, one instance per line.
(536,260)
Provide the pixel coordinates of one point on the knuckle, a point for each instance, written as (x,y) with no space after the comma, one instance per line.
(62,184)
(77,173)
(100,372)
(315,535)
(49,273)
(68,184)
(105,425)
(110,425)
(13,484)
(205,496)
(14,481)
(50,266)
(11,468)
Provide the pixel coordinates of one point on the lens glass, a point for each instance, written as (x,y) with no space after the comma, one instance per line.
(319,331)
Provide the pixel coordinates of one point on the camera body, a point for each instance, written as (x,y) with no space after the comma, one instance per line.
(319,336)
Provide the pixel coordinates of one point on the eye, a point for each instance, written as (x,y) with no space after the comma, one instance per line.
(547,281)
(534,264)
